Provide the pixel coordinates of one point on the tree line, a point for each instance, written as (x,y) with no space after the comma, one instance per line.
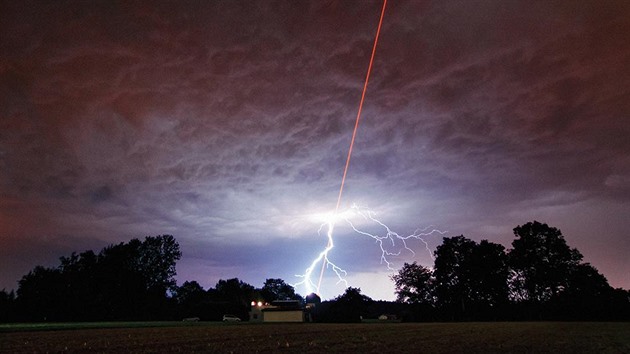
(129,281)
(540,278)
(123,281)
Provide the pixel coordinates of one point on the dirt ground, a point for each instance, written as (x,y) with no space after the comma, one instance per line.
(495,337)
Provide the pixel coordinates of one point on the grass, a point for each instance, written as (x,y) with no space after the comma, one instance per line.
(55,326)
(168,337)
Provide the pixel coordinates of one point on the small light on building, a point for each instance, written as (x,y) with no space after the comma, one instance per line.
(260,303)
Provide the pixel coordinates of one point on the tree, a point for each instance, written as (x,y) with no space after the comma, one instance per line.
(40,295)
(586,281)
(235,294)
(189,293)
(470,278)
(7,306)
(235,291)
(192,300)
(588,296)
(452,274)
(414,284)
(349,306)
(124,281)
(82,291)
(488,274)
(277,289)
(541,263)
(135,276)
(157,257)
(123,287)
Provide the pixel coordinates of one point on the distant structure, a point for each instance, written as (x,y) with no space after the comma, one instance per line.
(280,311)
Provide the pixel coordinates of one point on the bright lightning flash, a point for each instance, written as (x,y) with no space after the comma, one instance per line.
(390,243)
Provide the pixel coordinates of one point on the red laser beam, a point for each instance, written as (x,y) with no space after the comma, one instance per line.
(356,126)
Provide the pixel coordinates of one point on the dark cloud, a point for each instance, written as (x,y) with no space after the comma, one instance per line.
(226,123)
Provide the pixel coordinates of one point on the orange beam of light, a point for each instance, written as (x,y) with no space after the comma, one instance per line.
(356,126)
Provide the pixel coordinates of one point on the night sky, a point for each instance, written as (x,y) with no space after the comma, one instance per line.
(227,125)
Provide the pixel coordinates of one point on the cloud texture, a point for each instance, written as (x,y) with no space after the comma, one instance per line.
(227,123)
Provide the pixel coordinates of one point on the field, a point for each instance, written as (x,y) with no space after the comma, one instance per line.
(173,337)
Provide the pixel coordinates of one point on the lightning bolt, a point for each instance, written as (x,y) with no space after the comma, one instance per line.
(390,243)
(322,257)
(393,237)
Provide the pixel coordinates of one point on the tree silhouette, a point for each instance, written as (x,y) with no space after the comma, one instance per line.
(7,306)
(453,276)
(349,307)
(190,292)
(468,279)
(236,294)
(541,262)
(277,289)
(41,295)
(83,291)
(235,290)
(122,284)
(488,274)
(124,281)
(156,260)
(414,284)
(541,277)
(192,300)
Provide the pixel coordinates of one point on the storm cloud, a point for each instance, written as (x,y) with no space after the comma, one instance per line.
(226,123)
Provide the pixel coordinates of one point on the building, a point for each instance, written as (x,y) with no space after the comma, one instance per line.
(279,311)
